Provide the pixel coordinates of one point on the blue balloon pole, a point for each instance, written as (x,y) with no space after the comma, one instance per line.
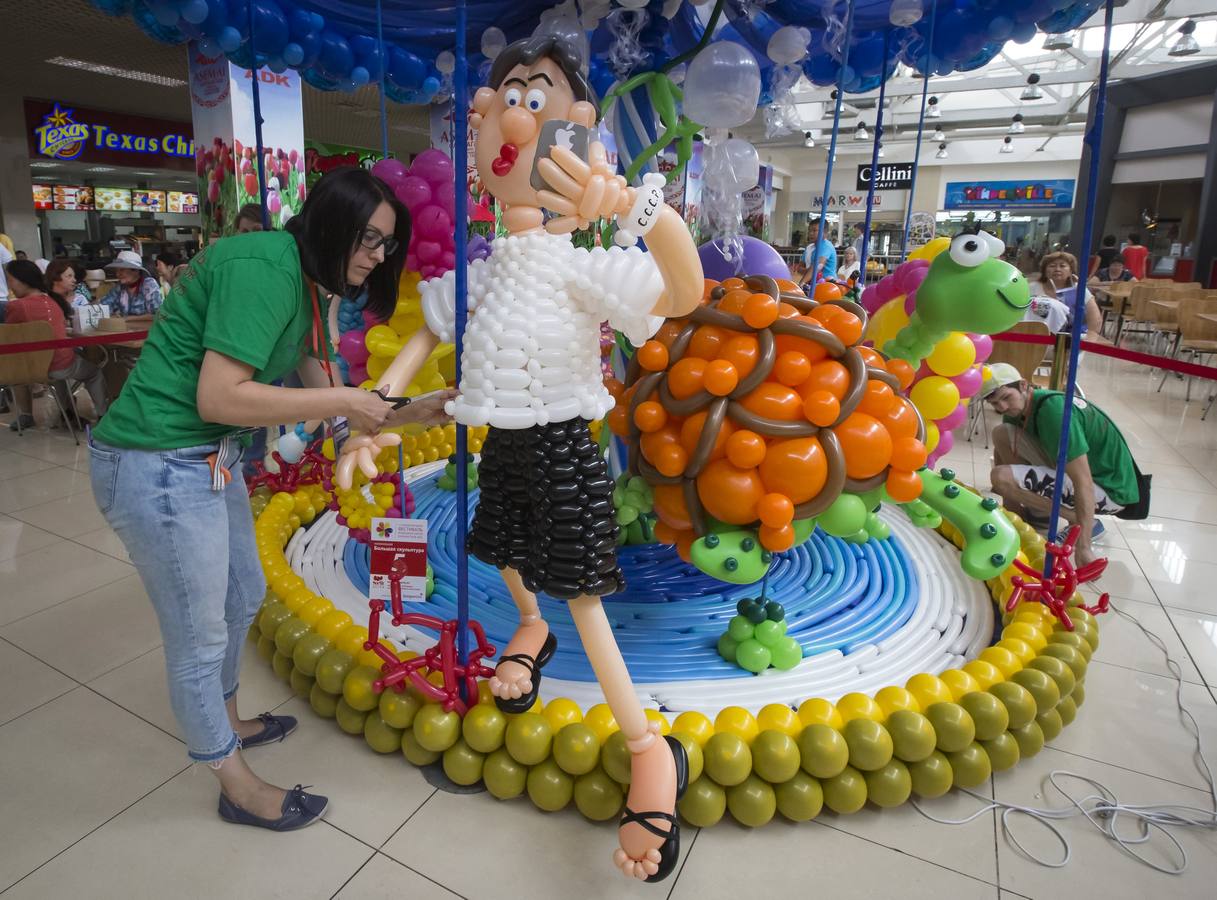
(1094,140)
(925,89)
(874,160)
(257,95)
(832,146)
(384,64)
(460,157)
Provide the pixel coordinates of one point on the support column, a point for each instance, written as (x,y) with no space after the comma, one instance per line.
(17,217)
(1204,251)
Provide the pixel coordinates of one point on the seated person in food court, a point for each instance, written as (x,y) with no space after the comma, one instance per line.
(826,256)
(1136,256)
(249,218)
(1052,299)
(1100,474)
(1114,271)
(169,268)
(29,303)
(137,296)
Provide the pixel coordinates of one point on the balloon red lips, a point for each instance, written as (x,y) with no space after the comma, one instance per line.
(508,154)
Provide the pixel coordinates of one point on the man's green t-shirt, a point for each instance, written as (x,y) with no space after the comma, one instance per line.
(1091,433)
(245,297)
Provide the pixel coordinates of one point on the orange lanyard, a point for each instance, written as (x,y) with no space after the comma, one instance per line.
(320,344)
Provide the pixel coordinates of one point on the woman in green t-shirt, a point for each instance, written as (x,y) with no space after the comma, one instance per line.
(245,313)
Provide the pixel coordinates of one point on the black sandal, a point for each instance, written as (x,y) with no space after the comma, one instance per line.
(524,703)
(669,853)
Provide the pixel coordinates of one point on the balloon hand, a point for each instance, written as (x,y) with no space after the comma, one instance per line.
(362,451)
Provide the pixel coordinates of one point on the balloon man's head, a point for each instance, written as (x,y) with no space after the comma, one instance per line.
(531,82)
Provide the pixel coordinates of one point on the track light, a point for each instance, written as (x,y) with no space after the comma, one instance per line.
(939,135)
(860,133)
(808,140)
(1186,45)
(1016,124)
(1032,91)
(942,151)
(934,111)
(880,154)
(1007,145)
(1062,41)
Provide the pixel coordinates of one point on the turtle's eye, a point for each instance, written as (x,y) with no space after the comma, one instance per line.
(969,250)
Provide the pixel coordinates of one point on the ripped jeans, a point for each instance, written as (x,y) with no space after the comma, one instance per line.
(195,552)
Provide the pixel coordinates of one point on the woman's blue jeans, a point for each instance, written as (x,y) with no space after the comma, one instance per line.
(195,551)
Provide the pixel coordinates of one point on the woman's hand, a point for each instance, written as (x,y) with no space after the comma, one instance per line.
(368,412)
(427,410)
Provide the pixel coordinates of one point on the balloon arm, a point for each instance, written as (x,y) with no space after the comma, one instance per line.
(675,255)
(991,543)
(408,362)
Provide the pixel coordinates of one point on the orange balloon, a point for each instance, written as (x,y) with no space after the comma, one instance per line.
(786,286)
(826,290)
(774,401)
(690,434)
(734,301)
(877,398)
(903,371)
(650,416)
(686,376)
(652,444)
(866,444)
(840,322)
(827,375)
(821,408)
(760,311)
(670,507)
(684,546)
(908,453)
(707,341)
(745,449)
(732,284)
(776,539)
(786,310)
(901,420)
(742,351)
(721,378)
(671,460)
(792,368)
(903,487)
(775,510)
(708,286)
(728,493)
(653,356)
(619,421)
(614,387)
(669,331)
(872,358)
(665,533)
(789,342)
(797,468)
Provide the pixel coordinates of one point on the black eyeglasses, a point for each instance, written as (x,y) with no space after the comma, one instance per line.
(371,239)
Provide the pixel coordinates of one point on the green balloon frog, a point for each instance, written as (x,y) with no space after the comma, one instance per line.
(968,288)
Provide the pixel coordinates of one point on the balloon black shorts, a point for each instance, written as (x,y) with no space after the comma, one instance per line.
(546,510)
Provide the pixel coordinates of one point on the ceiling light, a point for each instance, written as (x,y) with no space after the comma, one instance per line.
(141,172)
(860,133)
(934,111)
(939,135)
(942,151)
(100,169)
(1016,124)
(880,154)
(1186,45)
(1007,145)
(905,12)
(1032,91)
(99,69)
(808,140)
(43,164)
(1062,41)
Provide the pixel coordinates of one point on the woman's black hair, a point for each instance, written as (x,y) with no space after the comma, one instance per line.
(31,276)
(328,227)
(169,258)
(53,273)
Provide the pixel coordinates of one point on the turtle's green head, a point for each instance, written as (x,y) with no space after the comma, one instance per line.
(970,288)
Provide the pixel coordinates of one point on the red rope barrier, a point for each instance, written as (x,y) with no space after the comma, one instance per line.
(1145,359)
(117,337)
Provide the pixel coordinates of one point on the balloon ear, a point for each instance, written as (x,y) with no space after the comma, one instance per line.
(583,113)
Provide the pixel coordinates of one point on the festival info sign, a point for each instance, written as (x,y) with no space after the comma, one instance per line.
(60,131)
(399,552)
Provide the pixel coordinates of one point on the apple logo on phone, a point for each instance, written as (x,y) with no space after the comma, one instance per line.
(564,138)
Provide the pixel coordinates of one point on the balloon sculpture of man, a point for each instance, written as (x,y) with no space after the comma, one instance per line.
(531,371)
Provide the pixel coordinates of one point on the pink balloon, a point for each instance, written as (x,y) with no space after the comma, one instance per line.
(953,419)
(445,200)
(923,371)
(870,299)
(984,346)
(946,441)
(969,381)
(390,171)
(434,166)
(887,289)
(359,374)
(913,279)
(910,303)
(433,224)
(369,319)
(352,347)
(429,252)
(413,192)
(411,258)
(448,260)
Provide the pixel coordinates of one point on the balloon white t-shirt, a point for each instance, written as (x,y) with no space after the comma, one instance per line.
(532,343)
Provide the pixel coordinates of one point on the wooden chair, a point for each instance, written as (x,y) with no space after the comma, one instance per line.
(30,368)
(1027,359)
(1197,336)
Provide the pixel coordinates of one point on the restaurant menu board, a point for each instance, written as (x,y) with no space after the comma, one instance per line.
(183,202)
(43,197)
(112,199)
(147,201)
(73,196)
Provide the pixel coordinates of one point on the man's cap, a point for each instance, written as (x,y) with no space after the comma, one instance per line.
(998,375)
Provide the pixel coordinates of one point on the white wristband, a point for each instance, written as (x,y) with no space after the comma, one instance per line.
(644,213)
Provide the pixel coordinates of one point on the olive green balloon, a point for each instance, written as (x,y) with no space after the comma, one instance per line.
(1079,694)
(323,703)
(615,757)
(484,728)
(597,796)
(889,786)
(1050,724)
(1070,656)
(870,746)
(971,766)
(1088,633)
(1071,639)
(576,749)
(282,666)
(845,793)
(290,631)
(775,756)
(332,670)
(549,787)
(308,652)
(1067,709)
(381,737)
(988,714)
(1058,671)
(357,689)
(697,759)
(1080,617)
(436,730)
(1030,739)
(349,720)
(1047,695)
(703,803)
(504,777)
(273,615)
(752,802)
(529,738)
(913,736)
(415,752)
(728,759)
(823,750)
(266,648)
(952,724)
(397,709)
(801,798)
(302,685)
(932,776)
(1002,751)
(1018,701)
(463,764)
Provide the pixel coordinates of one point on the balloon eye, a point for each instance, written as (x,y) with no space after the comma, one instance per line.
(535,101)
(512,97)
(969,250)
(970,246)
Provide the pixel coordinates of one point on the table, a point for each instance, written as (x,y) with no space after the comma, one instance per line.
(1208,317)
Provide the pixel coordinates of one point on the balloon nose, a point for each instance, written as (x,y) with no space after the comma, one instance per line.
(519,127)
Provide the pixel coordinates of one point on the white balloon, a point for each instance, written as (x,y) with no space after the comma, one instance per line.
(734,166)
(493,42)
(905,12)
(788,45)
(722,86)
(445,62)
(633,4)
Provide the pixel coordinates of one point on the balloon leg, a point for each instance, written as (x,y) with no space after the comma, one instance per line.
(512,680)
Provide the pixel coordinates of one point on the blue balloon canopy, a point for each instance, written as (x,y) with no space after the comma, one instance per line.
(334,44)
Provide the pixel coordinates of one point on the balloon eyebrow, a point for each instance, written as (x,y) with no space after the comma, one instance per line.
(519,81)
(542,75)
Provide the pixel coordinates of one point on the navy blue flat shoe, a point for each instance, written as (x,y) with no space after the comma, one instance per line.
(299,811)
(274,728)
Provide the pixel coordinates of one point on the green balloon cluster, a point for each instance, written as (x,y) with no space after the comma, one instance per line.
(756,638)
(447,481)
(635,505)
